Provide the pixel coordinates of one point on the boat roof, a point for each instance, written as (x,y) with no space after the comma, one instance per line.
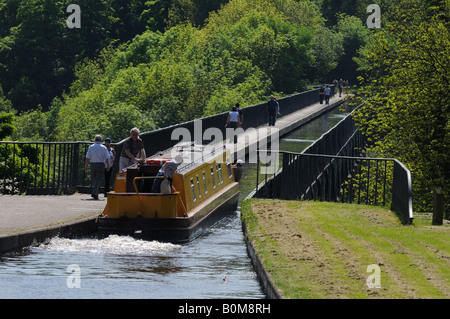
(193,154)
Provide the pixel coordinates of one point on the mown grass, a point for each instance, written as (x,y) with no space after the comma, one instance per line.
(322,250)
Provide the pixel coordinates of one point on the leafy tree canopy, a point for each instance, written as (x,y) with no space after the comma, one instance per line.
(245,52)
(407,74)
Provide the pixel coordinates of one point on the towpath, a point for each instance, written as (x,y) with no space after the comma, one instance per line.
(24,213)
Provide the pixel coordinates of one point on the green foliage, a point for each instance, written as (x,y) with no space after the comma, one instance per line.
(213,54)
(406,83)
(327,49)
(22,165)
(5,104)
(370,184)
(161,79)
(38,51)
(31,125)
(6,124)
(37,125)
(192,11)
(354,35)
(332,10)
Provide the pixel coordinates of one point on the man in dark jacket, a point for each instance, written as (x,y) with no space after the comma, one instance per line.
(272,109)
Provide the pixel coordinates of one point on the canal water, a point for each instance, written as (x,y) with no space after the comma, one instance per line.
(212,266)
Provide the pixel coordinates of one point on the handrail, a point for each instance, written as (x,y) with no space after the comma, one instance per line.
(154,177)
(341,178)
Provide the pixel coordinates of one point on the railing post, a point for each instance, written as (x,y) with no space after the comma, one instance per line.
(13,178)
(438,206)
(401,192)
(284,178)
(75,159)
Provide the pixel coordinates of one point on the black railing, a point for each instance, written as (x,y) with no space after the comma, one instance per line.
(254,116)
(332,169)
(362,180)
(402,191)
(43,168)
(58,167)
(343,139)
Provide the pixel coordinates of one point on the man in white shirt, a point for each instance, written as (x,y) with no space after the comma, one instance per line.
(98,157)
(327,94)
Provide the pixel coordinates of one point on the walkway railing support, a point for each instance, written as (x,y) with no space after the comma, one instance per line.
(332,169)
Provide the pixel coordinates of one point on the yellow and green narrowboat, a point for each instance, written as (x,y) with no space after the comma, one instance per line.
(204,191)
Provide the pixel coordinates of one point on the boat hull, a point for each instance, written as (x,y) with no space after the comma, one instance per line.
(173,230)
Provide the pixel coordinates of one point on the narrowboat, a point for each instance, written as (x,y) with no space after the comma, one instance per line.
(204,190)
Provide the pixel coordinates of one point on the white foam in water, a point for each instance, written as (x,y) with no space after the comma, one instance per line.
(114,244)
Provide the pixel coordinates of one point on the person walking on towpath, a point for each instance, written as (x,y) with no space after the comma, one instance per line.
(327,94)
(341,86)
(97,156)
(233,121)
(272,109)
(321,94)
(241,114)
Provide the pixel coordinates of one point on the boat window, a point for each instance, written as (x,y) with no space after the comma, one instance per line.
(219,173)
(230,174)
(212,177)
(204,183)
(198,187)
(193,189)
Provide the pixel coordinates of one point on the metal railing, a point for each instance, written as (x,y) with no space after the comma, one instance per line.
(254,116)
(362,180)
(58,167)
(43,168)
(332,169)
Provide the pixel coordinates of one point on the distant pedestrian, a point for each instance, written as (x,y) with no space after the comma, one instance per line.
(321,94)
(341,86)
(233,121)
(272,109)
(111,158)
(97,156)
(327,93)
(241,114)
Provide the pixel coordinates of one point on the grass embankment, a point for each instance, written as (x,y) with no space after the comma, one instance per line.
(323,250)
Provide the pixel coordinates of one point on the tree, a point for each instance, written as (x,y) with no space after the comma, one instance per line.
(259,32)
(6,124)
(328,49)
(5,104)
(354,35)
(245,51)
(39,51)
(333,9)
(406,81)
(193,11)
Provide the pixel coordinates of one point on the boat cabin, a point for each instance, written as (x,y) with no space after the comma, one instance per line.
(198,181)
